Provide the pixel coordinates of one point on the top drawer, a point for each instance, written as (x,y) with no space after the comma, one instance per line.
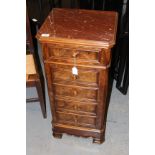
(68,54)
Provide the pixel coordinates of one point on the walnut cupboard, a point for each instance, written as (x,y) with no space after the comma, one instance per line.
(76,51)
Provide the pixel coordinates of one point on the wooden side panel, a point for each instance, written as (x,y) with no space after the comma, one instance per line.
(102,95)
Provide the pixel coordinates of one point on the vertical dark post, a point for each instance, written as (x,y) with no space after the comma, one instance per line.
(40,11)
(52,4)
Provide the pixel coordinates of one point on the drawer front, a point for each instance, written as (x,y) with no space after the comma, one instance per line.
(77,107)
(64,73)
(74,119)
(77,92)
(81,55)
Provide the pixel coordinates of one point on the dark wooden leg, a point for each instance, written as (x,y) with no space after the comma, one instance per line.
(41,97)
(57,135)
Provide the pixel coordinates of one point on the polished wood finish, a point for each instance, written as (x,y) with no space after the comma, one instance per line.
(83,39)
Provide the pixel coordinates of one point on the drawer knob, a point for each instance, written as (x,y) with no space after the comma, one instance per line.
(76,107)
(75,54)
(75,93)
(102,59)
(75,119)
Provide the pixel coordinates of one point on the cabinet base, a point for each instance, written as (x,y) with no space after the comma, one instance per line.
(97,135)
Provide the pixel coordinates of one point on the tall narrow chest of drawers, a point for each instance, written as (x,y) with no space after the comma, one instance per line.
(76,49)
